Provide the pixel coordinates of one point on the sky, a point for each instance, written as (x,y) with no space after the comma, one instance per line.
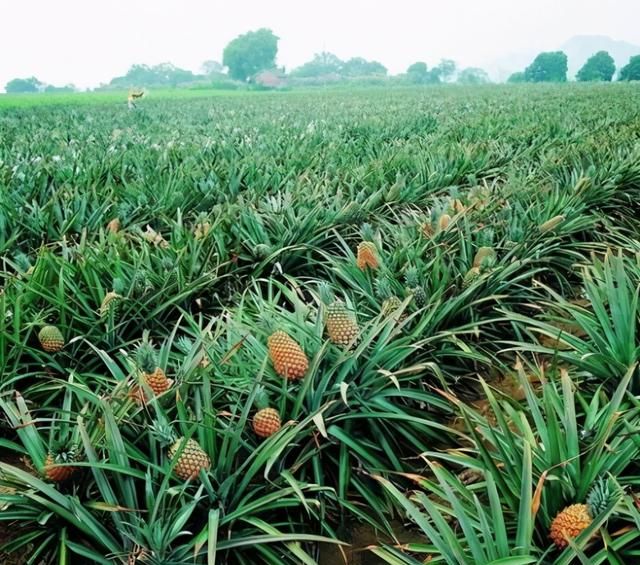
(87,42)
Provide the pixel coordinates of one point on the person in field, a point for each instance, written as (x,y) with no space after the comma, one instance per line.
(133,96)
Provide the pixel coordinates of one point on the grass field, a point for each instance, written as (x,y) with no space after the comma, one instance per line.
(239,328)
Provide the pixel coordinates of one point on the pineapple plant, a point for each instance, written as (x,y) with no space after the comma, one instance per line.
(266,420)
(288,358)
(57,465)
(572,520)
(413,287)
(154,376)
(51,339)
(367,253)
(342,326)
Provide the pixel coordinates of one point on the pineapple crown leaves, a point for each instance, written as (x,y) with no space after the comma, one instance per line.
(412,277)
(146,356)
(604,492)
(64,452)
(163,432)
(184,344)
(261,398)
(367,233)
(383,288)
(327,296)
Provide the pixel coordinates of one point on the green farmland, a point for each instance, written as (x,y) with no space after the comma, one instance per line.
(236,328)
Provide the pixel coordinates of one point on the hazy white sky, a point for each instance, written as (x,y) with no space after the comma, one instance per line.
(89,41)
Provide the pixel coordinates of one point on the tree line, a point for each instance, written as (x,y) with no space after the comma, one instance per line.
(251,58)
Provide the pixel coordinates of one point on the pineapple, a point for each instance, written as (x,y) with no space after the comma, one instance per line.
(51,339)
(154,376)
(288,358)
(341,323)
(390,302)
(266,420)
(574,519)
(443,222)
(57,466)
(114,226)
(109,303)
(470,277)
(191,458)
(414,287)
(367,254)
(551,224)
(484,257)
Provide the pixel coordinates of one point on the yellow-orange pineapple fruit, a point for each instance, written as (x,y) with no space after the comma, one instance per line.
(443,222)
(266,422)
(51,339)
(342,326)
(154,376)
(57,466)
(570,522)
(191,460)
(288,358)
(367,256)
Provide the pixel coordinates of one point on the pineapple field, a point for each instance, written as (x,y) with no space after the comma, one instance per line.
(242,329)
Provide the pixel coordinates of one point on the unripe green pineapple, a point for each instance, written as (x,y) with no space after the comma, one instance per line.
(390,302)
(472,275)
(51,339)
(413,286)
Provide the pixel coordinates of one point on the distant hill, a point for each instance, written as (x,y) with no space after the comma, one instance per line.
(578,50)
(581,47)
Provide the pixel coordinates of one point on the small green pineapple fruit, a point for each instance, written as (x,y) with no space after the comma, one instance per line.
(413,286)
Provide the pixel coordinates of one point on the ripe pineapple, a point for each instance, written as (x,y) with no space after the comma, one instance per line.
(414,287)
(266,420)
(367,254)
(154,376)
(191,458)
(51,339)
(574,519)
(288,358)
(342,326)
(57,466)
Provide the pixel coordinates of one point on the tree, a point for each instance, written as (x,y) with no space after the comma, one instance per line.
(547,67)
(359,67)
(631,71)
(164,74)
(599,67)
(517,77)
(322,64)
(209,68)
(23,85)
(446,69)
(65,88)
(473,75)
(250,53)
(418,73)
